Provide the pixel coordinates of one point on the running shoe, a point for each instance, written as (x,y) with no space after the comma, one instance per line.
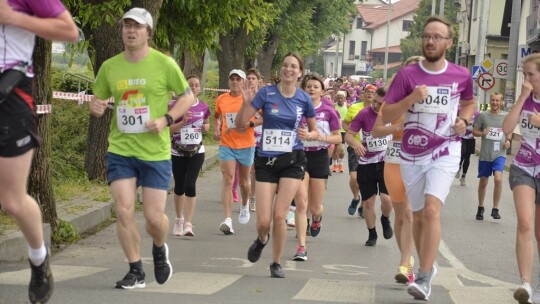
(523,294)
(353,205)
(255,250)
(387,227)
(178,228)
(290,219)
(188,229)
(340,168)
(133,279)
(252,206)
(226,227)
(235,197)
(410,266)
(276,271)
(420,289)
(462,181)
(361,211)
(334,168)
(458,173)
(41,282)
(301,253)
(402,276)
(244,216)
(495,214)
(480,213)
(315,227)
(162,267)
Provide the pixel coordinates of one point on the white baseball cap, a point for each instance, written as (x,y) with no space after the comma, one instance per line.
(239,73)
(140,15)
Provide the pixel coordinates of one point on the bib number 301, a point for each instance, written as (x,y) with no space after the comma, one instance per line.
(132,120)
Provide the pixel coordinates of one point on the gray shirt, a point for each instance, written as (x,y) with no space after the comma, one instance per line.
(492,145)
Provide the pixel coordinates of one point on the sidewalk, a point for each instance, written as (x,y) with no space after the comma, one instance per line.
(85,215)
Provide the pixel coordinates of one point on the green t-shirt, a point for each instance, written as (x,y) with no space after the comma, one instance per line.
(352,111)
(342,112)
(135,86)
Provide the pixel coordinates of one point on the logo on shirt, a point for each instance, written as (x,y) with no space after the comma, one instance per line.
(275,110)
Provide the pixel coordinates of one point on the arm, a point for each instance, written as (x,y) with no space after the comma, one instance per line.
(334,138)
(97,107)
(182,105)
(512,119)
(382,130)
(394,111)
(217,126)
(177,126)
(246,111)
(61,28)
(205,125)
(466,113)
(358,147)
(311,133)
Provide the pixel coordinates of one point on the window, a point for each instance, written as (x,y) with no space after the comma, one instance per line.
(363,50)
(359,23)
(352,45)
(407,24)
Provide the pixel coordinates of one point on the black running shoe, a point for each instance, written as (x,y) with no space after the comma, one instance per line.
(480,213)
(255,250)
(372,240)
(495,214)
(353,205)
(162,267)
(133,279)
(361,212)
(276,271)
(41,283)
(387,227)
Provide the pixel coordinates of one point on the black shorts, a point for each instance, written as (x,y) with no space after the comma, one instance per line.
(370,179)
(266,174)
(18,126)
(467,146)
(343,137)
(317,164)
(352,159)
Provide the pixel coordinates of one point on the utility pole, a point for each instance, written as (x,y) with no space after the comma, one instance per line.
(385,75)
(481,43)
(510,87)
(337,57)
(441,8)
(433,3)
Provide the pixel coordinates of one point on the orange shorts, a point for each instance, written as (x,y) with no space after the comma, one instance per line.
(394,183)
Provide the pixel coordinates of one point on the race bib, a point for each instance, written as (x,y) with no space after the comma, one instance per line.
(393,153)
(376,144)
(132,120)
(275,140)
(438,101)
(190,136)
(230,119)
(495,134)
(528,129)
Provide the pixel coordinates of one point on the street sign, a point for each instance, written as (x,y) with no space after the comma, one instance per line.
(524,50)
(486,81)
(501,68)
(476,71)
(487,64)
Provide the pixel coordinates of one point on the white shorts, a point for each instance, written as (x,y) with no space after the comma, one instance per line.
(434,179)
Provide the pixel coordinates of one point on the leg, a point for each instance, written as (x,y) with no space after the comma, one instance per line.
(524,197)
(157,222)
(265,196)
(431,234)
(498,179)
(482,184)
(300,214)
(287,189)
(227,170)
(243,177)
(123,192)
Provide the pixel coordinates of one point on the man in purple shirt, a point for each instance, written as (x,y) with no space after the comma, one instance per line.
(428,93)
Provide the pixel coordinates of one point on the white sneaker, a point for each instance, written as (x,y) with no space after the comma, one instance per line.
(178,227)
(226,226)
(244,216)
(523,293)
(462,181)
(458,173)
(290,219)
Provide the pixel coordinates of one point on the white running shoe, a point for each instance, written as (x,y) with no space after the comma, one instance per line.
(178,229)
(290,219)
(244,216)
(523,293)
(226,226)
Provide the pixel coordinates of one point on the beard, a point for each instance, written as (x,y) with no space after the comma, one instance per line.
(433,57)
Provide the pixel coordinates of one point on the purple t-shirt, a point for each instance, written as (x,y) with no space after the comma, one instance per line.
(327,121)
(528,156)
(200,112)
(375,147)
(17,44)
(428,133)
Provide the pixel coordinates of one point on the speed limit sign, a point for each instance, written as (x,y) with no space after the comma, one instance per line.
(501,68)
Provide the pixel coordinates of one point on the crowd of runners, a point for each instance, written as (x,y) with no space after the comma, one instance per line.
(405,142)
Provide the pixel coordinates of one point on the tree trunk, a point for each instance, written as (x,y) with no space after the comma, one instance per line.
(40,184)
(231,54)
(106,40)
(266,55)
(193,65)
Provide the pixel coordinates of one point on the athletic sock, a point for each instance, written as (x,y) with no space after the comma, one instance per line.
(37,256)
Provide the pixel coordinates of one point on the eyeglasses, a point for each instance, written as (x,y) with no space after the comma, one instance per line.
(435,38)
(136,26)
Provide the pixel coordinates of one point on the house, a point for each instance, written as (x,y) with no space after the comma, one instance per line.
(363,49)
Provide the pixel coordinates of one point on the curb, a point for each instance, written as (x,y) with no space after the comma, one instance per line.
(13,246)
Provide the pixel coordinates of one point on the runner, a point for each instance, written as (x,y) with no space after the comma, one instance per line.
(525,175)
(339,152)
(254,78)
(428,94)
(311,192)
(370,170)
(187,159)
(468,148)
(280,161)
(21,22)
(139,152)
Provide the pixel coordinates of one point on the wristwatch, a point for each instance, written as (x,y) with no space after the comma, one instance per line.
(251,124)
(169,119)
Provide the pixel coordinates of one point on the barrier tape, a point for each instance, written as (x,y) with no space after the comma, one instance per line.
(43,109)
(216,90)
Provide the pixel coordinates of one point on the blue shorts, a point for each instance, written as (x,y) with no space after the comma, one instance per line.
(151,174)
(486,168)
(242,156)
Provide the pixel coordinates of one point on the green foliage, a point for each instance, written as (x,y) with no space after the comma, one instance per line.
(66,233)
(412,44)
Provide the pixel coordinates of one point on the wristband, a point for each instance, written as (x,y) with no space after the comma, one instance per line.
(169,119)
(464,120)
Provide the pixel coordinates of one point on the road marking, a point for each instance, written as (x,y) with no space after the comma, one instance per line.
(193,283)
(60,273)
(342,291)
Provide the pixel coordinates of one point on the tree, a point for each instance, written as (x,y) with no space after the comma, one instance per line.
(40,184)
(99,20)
(412,44)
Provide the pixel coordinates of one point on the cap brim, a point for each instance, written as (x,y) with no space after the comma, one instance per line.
(137,19)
